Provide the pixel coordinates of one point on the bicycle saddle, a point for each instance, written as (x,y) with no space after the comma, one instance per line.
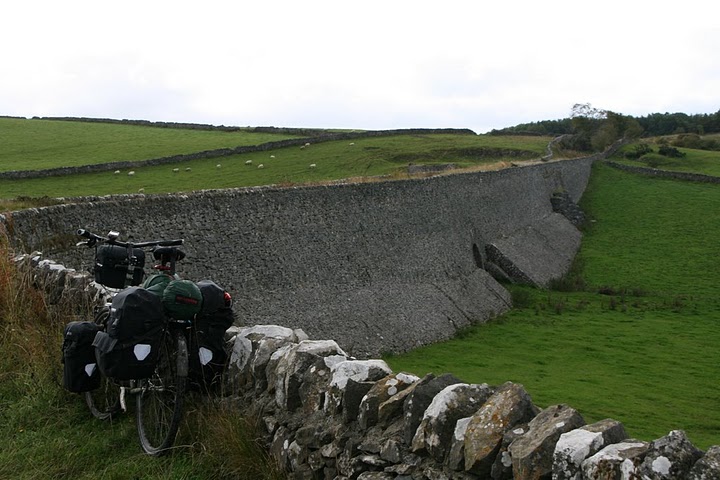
(168,253)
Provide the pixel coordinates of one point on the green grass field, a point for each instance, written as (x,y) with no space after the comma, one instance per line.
(695,161)
(286,166)
(647,354)
(40,144)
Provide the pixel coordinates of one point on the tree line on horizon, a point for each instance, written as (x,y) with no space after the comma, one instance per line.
(586,121)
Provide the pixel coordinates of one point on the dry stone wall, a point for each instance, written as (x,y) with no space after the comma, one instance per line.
(378,267)
(327,415)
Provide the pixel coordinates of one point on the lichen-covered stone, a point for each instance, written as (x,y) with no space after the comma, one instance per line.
(671,456)
(532,453)
(575,446)
(616,461)
(381,392)
(452,403)
(708,467)
(510,405)
(419,400)
(356,370)
(502,467)
(292,365)
(456,455)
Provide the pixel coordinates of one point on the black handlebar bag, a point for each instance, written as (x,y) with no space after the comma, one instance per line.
(130,347)
(80,371)
(112,267)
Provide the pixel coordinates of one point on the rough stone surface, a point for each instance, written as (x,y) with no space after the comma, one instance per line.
(420,398)
(708,467)
(577,445)
(509,406)
(380,393)
(671,456)
(435,432)
(619,460)
(532,453)
(377,267)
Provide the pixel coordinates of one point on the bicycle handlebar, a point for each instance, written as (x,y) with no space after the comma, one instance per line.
(112,239)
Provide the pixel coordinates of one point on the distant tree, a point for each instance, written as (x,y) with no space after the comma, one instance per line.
(596,129)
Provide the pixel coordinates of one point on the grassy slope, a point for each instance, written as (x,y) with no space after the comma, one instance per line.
(694,161)
(39,144)
(333,160)
(648,360)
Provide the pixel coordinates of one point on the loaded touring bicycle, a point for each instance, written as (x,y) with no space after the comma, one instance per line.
(153,339)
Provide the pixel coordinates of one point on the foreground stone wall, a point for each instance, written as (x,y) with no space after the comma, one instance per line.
(376,266)
(327,415)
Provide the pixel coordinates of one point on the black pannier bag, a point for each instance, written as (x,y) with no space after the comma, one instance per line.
(112,265)
(80,371)
(129,349)
(207,347)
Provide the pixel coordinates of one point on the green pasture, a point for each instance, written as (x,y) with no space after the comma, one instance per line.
(695,161)
(645,350)
(287,166)
(41,144)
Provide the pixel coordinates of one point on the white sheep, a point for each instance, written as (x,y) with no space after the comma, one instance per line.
(272,156)
(352,143)
(116,172)
(176,170)
(312,165)
(307,144)
(131,173)
(141,190)
(218,165)
(302,147)
(248,162)
(261,166)
(188,169)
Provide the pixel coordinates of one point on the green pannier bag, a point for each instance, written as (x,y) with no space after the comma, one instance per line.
(182,299)
(157,283)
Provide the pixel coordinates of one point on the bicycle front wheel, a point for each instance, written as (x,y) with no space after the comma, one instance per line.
(161,397)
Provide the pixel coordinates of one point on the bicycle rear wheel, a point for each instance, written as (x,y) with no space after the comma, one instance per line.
(161,397)
(104,402)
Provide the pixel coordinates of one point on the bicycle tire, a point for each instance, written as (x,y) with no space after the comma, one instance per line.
(160,398)
(104,402)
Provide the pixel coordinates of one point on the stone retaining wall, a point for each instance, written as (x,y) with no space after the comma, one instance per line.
(690,177)
(383,266)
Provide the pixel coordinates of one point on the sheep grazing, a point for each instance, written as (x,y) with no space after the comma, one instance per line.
(272,156)
(188,169)
(141,190)
(248,162)
(176,170)
(302,147)
(116,172)
(307,144)
(261,166)
(312,165)
(131,173)
(218,165)
(352,143)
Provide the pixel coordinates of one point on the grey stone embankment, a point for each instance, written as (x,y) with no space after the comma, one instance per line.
(327,415)
(384,266)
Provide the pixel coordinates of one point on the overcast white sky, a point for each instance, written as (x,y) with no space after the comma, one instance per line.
(368,65)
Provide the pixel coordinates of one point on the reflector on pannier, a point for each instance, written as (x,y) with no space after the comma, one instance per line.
(130,347)
(80,372)
(112,266)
